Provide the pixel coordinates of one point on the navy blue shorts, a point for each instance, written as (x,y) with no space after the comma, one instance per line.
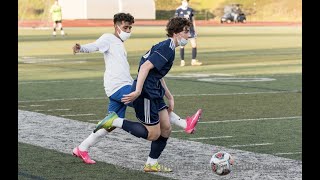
(147,110)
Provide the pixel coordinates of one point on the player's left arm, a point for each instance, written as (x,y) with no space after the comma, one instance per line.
(168,95)
(194,25)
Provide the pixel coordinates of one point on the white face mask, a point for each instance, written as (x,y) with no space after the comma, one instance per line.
(182,41)
(184,4)
(123,35)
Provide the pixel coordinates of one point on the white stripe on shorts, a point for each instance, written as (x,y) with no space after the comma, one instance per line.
(146,111)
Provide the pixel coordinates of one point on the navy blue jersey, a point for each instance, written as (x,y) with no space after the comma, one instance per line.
(161,56)
(186,13)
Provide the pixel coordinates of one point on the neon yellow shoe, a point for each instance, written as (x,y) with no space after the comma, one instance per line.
(106,123)
(156,168)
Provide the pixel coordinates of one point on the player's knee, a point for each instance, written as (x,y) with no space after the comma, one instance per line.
(153,135)
(166,127)
(166,131)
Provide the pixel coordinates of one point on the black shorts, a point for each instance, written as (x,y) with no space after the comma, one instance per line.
(58,21)
(147,110)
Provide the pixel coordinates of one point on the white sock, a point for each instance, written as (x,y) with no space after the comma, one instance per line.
(117,122)
(151,161)
(62,32)
(92,139)
(54,33)
(176,120)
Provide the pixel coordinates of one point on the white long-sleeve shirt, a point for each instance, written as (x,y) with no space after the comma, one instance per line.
(117,69)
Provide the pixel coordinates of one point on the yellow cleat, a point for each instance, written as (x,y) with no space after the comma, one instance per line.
(106,123)
(156,168)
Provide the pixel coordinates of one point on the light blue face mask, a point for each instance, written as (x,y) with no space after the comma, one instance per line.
(182,41)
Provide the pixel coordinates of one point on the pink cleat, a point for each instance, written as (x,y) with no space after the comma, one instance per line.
(192,122)
(83,155)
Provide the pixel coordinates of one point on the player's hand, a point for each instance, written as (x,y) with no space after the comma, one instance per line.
(76,48)
(127,98)
(171,105)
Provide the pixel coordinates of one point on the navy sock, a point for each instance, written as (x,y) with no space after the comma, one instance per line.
(157,147)
(194,53)
(182,53)
(135,128)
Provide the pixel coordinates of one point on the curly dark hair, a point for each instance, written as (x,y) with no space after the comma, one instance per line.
(176,25)
(119,17)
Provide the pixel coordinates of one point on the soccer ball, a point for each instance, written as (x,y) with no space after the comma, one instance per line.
(221,163)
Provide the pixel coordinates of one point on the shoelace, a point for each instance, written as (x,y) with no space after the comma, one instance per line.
(162,168)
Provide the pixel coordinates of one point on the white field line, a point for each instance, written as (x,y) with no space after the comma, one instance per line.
(225,121)
(191,75)
(235,79)
(177,131)
(47,82)
(50,110)
(288,153)
(258,119)
(228,94)
(36,105)
(70,115)
(97,120)
(218,137)
(63,99)
(62,135)
(40,82)
(248,145)
(177,95)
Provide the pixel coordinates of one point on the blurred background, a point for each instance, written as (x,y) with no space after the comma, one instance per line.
(207,10)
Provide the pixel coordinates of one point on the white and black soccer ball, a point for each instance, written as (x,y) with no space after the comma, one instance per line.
(221,163)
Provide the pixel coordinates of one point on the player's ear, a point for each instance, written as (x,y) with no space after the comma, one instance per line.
(116,28)
(174,35)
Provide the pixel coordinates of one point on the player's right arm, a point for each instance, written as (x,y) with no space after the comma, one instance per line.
(87,48)
(101,44)
(142,75)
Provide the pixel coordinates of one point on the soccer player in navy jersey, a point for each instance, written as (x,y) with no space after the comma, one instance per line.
(148,91)
(187,12)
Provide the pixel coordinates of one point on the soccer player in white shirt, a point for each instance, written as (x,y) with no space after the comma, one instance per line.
(118,81)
